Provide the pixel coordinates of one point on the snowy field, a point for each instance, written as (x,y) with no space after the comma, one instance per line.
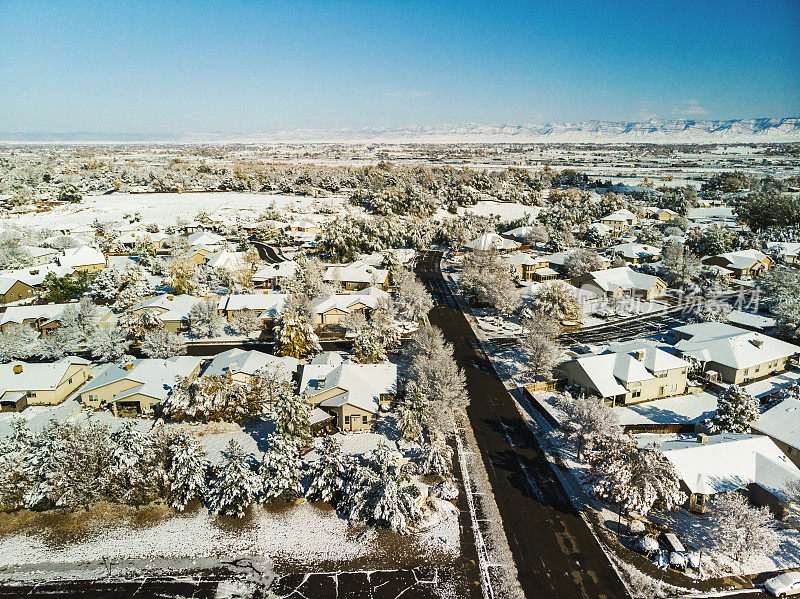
(773,383)
(164,208)
(671,410)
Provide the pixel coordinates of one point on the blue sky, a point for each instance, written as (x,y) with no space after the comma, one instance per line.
(173,67)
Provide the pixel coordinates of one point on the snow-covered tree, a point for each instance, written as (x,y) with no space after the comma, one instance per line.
(307,278)
(582,261)
(368,348)
(557,300)
(632,478)
(237,486)
(741,530)
(181,275)
(587,419)
(541,353)
(134,473)
(247,322)
(487,279)
(327,473)
(108,345)
(413,414)
(354,323)
(212,398)
(281,469)
(163,344)
(17,342)
(294,334)
(412,301)
(292,413)
(437,458)
(391,499)
(679,266)
(137,324)
(185,472)
(712,311)
(736,409)
(205,319)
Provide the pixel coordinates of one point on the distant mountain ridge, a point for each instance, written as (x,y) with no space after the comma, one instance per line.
(656,131)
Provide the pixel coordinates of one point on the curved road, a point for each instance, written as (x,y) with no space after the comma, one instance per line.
(268,253)
(555,552)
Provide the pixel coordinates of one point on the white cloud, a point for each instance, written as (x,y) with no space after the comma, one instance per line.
(691,107)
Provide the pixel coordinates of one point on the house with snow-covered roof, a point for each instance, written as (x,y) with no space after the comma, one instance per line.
(356,276)
(172,310)
(331,309)
(781,423)
(274,275)
(267,306)
(352,393)
(621,282)
(620,220)
(244,366)
(661,214)
(492,241)
(530,267)
(635,253)
(712,464)
(39,255)
(743,263)
(138,386)
(732,354)
(786,251)
(44,318)
(83,259)
(25,384)
(21,284)
(628,373)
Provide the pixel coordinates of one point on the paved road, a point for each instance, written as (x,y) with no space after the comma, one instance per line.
(268,253)
(554,551)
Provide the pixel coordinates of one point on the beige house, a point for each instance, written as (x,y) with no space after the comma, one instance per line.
(245,366)
(731,354)
(357,276)
(628,373)
(267,306)
(172,310)
(47,317)
(744,263)
(620,220)
(353,393)
(527,265)
(330,310)
(83,259)
(621,282)
(138,386)
(781,423)
(29,384)
(14,290)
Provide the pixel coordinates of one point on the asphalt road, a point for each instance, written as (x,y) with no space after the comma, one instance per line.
(555,553)
(268,253)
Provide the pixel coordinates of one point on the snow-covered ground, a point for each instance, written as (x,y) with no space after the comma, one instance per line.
(773,383)
(671,410)
(164,208)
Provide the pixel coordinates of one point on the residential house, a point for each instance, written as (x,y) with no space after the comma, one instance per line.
(635,253)
(225,259)
(304,226)
(205,239)
(47,317)
(621,282)
(785,251)
(781,423)
(83,259)
(245,366)
(492,241)
(628,373)
(357,276)
(22,284)
(172,310)
(558,260)
(620,220)
(138,386)
(731,354)
(274,275)
(331,309)
(40,256)
(749,320)
(267,305)
(131,238)
(529,267)
(662,214)
(352,393)
(743,263)
(25,384)
(713,464)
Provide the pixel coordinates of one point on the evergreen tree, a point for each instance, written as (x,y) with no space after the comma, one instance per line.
(281,469)
(292,413)
(328,473)
(185,475)
(412,413)
(736,409)
(294,335)
(437,458)
(237,485)
(161,343)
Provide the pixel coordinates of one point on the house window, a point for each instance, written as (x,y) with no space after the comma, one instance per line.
(364,419)
(758,368)
(662,375)
(637,393)
(31,393)
(69,382)
(746,371)
(347,419)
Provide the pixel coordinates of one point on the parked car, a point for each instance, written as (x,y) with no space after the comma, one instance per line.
(785,585)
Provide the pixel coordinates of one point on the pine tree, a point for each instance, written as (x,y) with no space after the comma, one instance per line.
(17,342)
(185,475)
(292,413)
(108,345)
(437,458)
(328,473)
(586,419)
(368,348)
(134,472)
(736,409)
(164,344)
(294,335)
(391,499)
(237,485)
(281,469)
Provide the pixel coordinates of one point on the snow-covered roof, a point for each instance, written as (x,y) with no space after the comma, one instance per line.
(38,252)
(318,416)
(281,270)
(249,362)
(131,237)
(356,273)
(271,303)
(654,358)
(32,276)
(730,461)
(520,258)
(622,215)
(156,377)
(520,232)
(361,384)
(170,307)
(225,259)
(731,346)
(492,241)
(45,312)
(81,256)
(781,422)
(783,248)
(633,251)
(370,297)
(622,277)
(743,258)
(601,228)
(204,238)
(748,319)
(35,376)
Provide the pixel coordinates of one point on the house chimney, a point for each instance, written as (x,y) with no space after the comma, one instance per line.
(129,365)
(702,438)
(17,368)
(639,354)
(757,342)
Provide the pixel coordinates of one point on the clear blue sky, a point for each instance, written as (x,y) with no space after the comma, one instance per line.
(142,67)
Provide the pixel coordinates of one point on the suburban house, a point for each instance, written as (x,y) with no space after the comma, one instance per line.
(352,393)
(621,282)
(304,226)
(25,384)
(620,220)
(212,241)
(713,464)
(131,238)
(529,267)
(492,241)
(225,259)
(14,290)
(744,263)
(558,260)
(331,309)
(83,259)
(46,317)
(749,320)
(138,386)
(22,283)
(781,423)
(785,251)
(602,229)
(172,310)
(628,373)
(662,214)
(635,253)
(731,354)
(245,366)
(267,305)
(356,276)
(274,275)
(40,256)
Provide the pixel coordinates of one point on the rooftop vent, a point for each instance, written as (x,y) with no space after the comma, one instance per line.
(17,368)
(702,438)
(757,342)
(639,354)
